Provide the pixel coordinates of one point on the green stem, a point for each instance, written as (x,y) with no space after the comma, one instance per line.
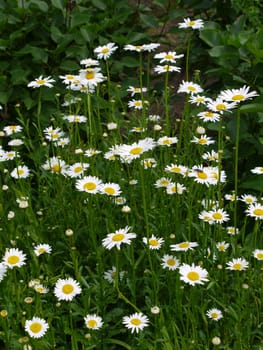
(236,166)
(187,58)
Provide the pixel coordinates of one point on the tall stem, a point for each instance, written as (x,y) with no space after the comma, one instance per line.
(236,165)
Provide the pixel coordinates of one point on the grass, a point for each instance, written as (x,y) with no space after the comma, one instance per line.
(137,217)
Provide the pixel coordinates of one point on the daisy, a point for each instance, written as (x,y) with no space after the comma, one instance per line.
(154,118)
(255,210)
(257,170)
(191,23)
(222,246)
(75,118)
(41,82)
(56,166)
(220,106)
(238,264)
(135,322)
(39,288)
(150,47)
(206,217)
(167,141)
(12,129)
(202,175)
(153,242)
(183,246)
(15,142)
(3,269)
(231,230)
(214,314)
(120,200)
(64,141)
(14,258)
(257,253)
(117,238)
(176,169)
(36,327)
(170,262)
(42,248)
(198,99)
(77,169)
(238,95)
(137,129)
(162,182)
(175,187)
(68,78)
(189,87)
(110,189)
(105,51)
(148,163)
(248,198)
(211,156)
(9,155)
(137,48)
(193,274)
(91,152)
(209,116)
(219,215)
(166,68)
(231,197)
(89,184)
(91,76)
(136,90)
(67,289)
(110,275)
(52,134)
(93,321)
(136,104)
(203,140)
(135,150)
(21,172)
(170,56)
(89,62)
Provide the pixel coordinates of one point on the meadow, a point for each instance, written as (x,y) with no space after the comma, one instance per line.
(130,216)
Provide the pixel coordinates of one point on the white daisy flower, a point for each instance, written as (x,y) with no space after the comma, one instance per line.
(257,170)
(153,242)
(238,264)
(89,62)
(77,169)
(203,140)
(167,141)
(41,82)
(198,99)
(12,129)
(218,215)
(238,95)
(14,257)
(183,246)
(91,77)
(255,210)
(136,90)
(214,314)
(105,51)
(189,87)
(135,322)
(67,289)
(110,189)
(21,172)
(89,184)
(191,23)
(222,246)
(93,321)
(170,56)
(75,118)
(36,327)
(231,230)
(193,274)
(170,262)
(162,182)
(110,275)
(257,253)
(209,116)
(248,198)
(175,188)
(220,105)
(149,163)
(117,238)
(166,68)
(56,165)
(91,152)
(3,270)
(42,248)
(177,169)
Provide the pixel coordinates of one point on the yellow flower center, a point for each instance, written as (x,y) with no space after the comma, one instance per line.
(41,81)
(105,50)
(13,259)
(20,171)
(89,186)
(238,97)
(13,127)
(221,107)
(167,142)
(202,141)
(70,77)
(168,57)
(136,150)
(35,327)
(78,169)
(138,47)
(193,276)
(237,266)
(217,216)
(164,183)
(258,212)
(118,237)
(56,168)
(92,323)
(260,256)
(191,88)
(137,103)
(191,23)
(202,175)
(136,321)
(184,245)
(214,314)
(176,170)
(90,75)
(109,190)
(209,114)
(67,288)
(153,242)
(221,248)
(41,250)
(170,262)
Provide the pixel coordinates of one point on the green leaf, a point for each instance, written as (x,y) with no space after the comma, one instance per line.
(223,51)
(42,5)
(129,62)
(255,184)
(149,21)
(59,4)
(69,65)
(38,53)
(99,4)
(252,108)
(211,37)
